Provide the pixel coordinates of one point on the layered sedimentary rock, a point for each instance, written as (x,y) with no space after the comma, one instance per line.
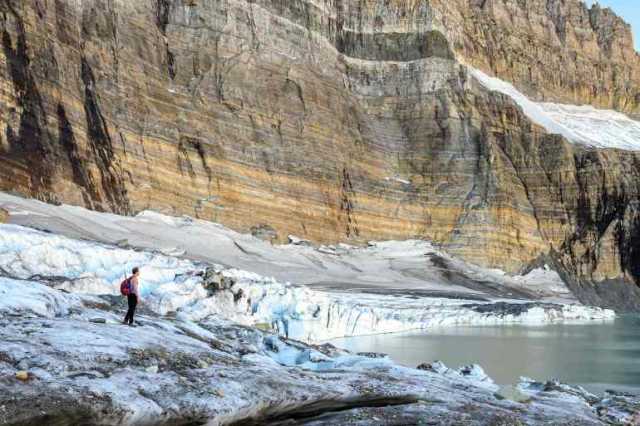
(554,50)
(332,120)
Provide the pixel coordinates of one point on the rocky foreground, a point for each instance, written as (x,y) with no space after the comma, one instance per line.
(66,359)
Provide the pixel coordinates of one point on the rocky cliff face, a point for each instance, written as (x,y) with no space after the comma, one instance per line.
(554,50)
(333,120)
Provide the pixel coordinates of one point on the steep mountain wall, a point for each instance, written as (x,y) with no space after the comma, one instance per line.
(555,50)
(333,120)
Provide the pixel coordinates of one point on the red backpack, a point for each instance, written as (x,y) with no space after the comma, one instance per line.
(125,287)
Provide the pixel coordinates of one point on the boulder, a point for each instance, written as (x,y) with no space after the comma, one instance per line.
(247,349)
(4,216)
(297,241)
(22,375)
(264,232)
(374,355)
(436,367)
(123,243)
(214,281)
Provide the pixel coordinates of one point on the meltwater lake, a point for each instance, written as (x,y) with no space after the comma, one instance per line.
(597,356)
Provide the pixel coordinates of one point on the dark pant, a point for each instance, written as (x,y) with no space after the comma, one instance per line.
(132,299)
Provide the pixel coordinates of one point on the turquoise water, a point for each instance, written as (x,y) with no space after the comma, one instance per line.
(598,356)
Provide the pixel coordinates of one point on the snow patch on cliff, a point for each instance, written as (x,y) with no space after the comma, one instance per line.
(580,124)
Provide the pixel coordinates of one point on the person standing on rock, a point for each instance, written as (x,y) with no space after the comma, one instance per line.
(132,291)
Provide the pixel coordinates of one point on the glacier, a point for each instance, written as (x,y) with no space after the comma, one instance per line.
(251,347)
(176,284)
(579,124)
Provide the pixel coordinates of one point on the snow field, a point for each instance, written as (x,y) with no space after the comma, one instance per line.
(580,124)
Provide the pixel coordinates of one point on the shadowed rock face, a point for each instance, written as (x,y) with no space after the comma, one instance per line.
(332,120)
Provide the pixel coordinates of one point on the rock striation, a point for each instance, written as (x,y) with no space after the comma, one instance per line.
(332,120)
(554,50)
